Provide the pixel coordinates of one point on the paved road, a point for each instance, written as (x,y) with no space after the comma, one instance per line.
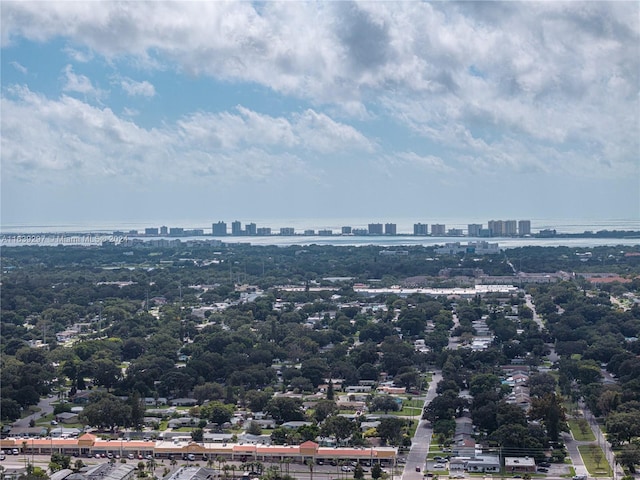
(45,409)
(422,438)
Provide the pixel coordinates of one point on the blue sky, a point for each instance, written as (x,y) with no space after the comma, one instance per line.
(153,112)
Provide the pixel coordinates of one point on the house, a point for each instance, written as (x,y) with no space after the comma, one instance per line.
(519,464)
(67,417)
(28,432)
(294,425)
(484,464)
(183,402)
(358,389)
(465,447)
(181,422)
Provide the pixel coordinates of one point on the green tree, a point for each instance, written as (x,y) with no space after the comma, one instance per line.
(629,456)
(340,428)
(197,435)
(376,471)
(217,412)
(390,430)
(285,409)
(254,428)
(384,403)
(323,409)
(550,410)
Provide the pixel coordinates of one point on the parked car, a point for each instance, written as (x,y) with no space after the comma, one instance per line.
(542,469)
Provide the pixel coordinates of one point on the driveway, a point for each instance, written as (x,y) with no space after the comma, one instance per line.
(45,406)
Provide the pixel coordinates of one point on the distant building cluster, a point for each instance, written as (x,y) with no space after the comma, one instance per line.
(495,228)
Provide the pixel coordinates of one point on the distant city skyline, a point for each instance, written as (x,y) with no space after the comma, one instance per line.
(132,112)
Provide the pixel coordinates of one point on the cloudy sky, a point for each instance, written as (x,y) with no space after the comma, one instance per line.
(159,111)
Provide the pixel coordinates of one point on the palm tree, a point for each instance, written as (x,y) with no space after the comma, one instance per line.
(233,470)
(221,461)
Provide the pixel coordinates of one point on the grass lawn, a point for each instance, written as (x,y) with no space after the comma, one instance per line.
(587,436)
(594,468)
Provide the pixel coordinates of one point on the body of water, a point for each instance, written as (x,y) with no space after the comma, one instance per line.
(93,234)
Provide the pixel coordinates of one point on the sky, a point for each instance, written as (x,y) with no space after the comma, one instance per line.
(158,112)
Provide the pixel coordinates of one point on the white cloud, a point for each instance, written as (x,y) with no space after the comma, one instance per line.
(19,67)
(78,56)
(133,88)
(310,130)
(79,83)
(523,86)
(48,140)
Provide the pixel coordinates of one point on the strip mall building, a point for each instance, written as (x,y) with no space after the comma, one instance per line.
(89,445)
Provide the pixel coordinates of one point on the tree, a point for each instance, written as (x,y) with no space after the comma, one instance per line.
(583,425)
(550,410)
(596,454)
(217,412)
(254,428)
(629,456)
(376,471)
(339,427)
(358,472)
(390,430)
(541,384)
(197,435)
(384,403)
(323,409)
(106,411)
(285,409)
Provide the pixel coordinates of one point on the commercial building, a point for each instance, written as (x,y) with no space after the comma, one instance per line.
(176,231)
(510,228)
(524,227)
(287,231)
(496,227)
(420,229)
(325,233)
(164,230)
(346,230)
(375,229)
(473,229)
(250,229)
(390,229)
(263,231)
(219,229)
(438,230)
(236,228)
(477,248)
(151,231)
(88,445)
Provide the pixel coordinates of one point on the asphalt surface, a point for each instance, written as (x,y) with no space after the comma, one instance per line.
(45,409)
(422,438)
